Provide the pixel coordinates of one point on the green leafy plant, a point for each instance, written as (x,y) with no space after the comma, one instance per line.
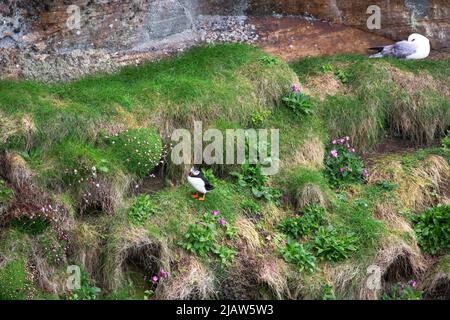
(328,67)
(296,253)
(446,141)
(432,229)
(258,118)
(269,60)
(209,175)
(6,194)
(327,293)
(139,149)
(251,176)
(201,238)
(342,164)
(342,75)
(300,104)
(87,290)
(250,206)
(225,255)
(403,291)
(142,208)
(388,185)
(297,227)
(330,246)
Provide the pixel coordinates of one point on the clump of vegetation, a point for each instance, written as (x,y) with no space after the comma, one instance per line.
(432,229)
(202,237)
(329,245)
(259,118)
(297,227)
(87,290)
(342,164)
(251,177)
(446,141)
(139,150)
(250,207)
(6,194)
(296,253)
(14,281)
(404,291)
(300,104)
(33,226)
(142,208)
(269,60)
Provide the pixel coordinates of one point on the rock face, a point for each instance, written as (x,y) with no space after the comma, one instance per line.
(399,18)
(64,39)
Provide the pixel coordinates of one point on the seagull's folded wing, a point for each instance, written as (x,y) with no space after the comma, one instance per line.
(401,49)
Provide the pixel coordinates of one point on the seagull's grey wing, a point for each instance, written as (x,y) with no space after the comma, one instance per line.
(401,49)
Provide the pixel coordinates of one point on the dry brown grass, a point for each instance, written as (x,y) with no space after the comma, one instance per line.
(132,245)
(190,279)
(311,194)
(417,115)
(247,234)
(310,154)
(274,273)
(86,246)
(387,212)
(323,85)
(419,186)
(107,196)
(15,169)
(436,282)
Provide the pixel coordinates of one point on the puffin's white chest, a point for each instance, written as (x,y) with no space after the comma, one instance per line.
(198,184)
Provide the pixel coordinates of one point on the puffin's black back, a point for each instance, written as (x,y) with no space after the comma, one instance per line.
(208,186)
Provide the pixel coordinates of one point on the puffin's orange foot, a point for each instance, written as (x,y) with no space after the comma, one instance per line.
(195,196)
(202,198)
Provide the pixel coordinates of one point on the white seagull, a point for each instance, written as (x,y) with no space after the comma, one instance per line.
(416,48)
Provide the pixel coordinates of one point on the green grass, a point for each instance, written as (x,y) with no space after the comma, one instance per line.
(374,104)
(225,86)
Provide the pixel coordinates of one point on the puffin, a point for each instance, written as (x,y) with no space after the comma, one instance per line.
(199,183)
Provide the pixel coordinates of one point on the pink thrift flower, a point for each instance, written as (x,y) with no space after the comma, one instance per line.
(155,279)
(347,138)
(163,274)
(334,142)
(295,88)
(341,169)
(221,221)
(334,153)
(365,173)
(215,212)
(353,150)
(413,283)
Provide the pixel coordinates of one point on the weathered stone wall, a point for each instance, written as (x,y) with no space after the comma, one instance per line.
(44,39)
(399,17)
(49,25)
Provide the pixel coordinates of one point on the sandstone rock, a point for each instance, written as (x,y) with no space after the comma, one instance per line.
(399,18)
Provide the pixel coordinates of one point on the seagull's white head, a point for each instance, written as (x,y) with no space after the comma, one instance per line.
(423,46)
(415,37)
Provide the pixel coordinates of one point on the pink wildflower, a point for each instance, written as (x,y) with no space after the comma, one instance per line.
(155,279)
(341,169)
(334,153)
(163,274)
(215,212)
(295,88)
(221,221)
